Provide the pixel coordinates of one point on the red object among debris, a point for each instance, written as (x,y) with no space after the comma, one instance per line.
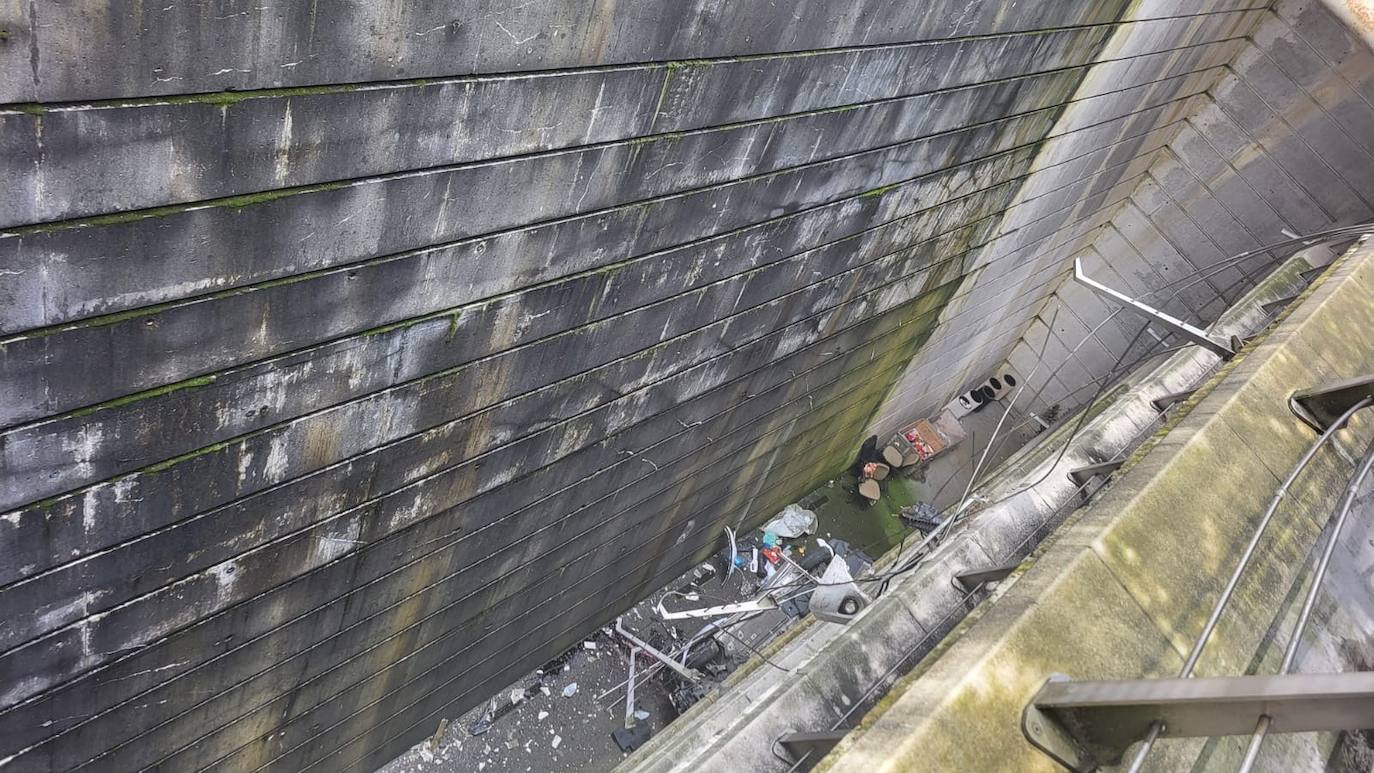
(773,554)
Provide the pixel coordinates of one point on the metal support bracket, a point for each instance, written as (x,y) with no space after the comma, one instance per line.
(813,745)
(971,580)
(1165,402)
(1082,475)
(1173,324)
(1312,273)
(1273,306)
(683,671)
(1084,725)
(1046,734)
(1322,405)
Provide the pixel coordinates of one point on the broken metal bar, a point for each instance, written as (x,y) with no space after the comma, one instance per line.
(683,671)
(814,745)
(1082,475)
(800,568)
(630,691)
(971,580)
(1084,725)
(1324,404)
(1165,402)
(761,604)
(1173,324)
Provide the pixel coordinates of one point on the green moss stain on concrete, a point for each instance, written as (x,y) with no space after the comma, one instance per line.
(872,525)
(229,202)
(190,383)
(879,191)
(873,528)
(174,461)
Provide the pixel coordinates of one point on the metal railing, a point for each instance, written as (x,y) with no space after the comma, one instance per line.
(1085,724)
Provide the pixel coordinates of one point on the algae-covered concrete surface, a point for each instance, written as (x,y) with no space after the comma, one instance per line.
(356,358)
(1123,591)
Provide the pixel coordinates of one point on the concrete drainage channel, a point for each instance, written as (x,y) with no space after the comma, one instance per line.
(774,689)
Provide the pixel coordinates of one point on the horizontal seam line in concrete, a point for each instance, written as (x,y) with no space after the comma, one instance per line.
(142,213)
(345,86)
(438,374)
(344,269)
(96,320)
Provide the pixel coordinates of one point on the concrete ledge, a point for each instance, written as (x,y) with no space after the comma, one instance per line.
(1124,590)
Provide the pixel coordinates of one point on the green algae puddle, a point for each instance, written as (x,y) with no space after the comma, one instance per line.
(875,528)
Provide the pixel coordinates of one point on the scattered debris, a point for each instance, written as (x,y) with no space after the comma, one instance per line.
(631,738)
(796,606)
(497,708)
(685,694)
(634,733)
(683,671)
(923,516)
(760,604)
(794,521)
(773,554)
(869,489)
(703,653)
(484,722)
(689,649)
(918,442)
(837,599)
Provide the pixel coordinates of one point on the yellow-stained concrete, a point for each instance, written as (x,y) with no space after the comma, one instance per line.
(1124,591)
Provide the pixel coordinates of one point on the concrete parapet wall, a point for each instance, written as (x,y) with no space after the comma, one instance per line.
(1124,589)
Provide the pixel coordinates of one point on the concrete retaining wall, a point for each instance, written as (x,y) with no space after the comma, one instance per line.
(337,400)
